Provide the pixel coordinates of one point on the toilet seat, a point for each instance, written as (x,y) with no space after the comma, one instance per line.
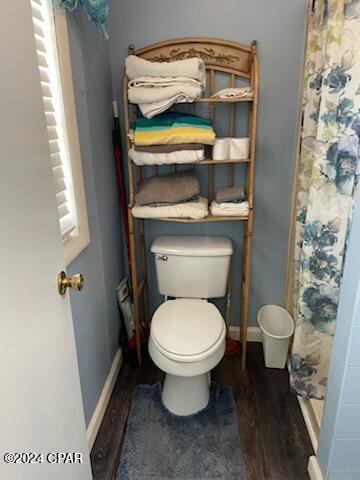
(187,330)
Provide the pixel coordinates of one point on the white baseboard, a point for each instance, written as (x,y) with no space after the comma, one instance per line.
(318,409)
(314,469)
(311,418)
(253,333)
(310,421)
(99,412)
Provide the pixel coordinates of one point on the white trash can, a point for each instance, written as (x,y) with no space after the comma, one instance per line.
(277,327)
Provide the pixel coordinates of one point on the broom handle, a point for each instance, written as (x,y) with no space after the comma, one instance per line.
(120,176)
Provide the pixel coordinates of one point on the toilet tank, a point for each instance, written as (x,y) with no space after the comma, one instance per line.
(192,266)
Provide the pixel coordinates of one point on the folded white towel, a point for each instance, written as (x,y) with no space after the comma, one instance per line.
(142,95)
(189,68)
(229,209)
(153,101)
(179,157)
(154,82)
(194,209)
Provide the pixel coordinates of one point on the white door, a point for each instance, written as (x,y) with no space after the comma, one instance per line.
(40,398)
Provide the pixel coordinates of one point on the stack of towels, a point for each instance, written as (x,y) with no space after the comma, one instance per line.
(169,138)
(230,202)
(173,196)
(155,86)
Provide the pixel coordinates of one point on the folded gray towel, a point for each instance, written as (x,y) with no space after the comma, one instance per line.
(174,188)
(229,194)
(169,148)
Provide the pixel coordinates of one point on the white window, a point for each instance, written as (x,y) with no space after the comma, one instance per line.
(52,48)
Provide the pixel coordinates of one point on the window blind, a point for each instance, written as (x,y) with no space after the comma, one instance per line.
(46,49)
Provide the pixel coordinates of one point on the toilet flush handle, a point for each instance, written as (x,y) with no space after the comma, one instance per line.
(164,258)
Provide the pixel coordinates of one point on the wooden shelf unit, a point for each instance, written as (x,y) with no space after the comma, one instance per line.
(221,57)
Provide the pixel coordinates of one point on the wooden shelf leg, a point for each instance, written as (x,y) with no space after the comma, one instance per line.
(212,86)
(134,287)
(248,228)
(232,118)
(245,288)
(144,272)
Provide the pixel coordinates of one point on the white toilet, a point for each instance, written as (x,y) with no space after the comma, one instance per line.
(187,336)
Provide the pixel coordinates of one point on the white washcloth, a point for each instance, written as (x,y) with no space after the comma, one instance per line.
(179,156)
(189,68)
(230,209)
(234,93)
(195,210)
(153,101)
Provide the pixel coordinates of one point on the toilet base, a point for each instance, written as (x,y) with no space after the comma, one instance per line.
(186,395)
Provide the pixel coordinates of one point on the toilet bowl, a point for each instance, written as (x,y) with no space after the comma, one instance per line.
(187,340)
(187,335)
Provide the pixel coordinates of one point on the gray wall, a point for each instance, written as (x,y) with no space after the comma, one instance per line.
(95,312)
(339,442)
(278,27)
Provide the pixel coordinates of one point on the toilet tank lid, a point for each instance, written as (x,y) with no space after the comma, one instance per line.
(191,245)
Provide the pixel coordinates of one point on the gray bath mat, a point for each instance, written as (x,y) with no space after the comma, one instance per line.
(161,446)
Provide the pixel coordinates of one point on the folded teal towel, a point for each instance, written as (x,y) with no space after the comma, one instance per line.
(172,128)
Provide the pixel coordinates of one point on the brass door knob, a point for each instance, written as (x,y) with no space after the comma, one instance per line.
(76,282)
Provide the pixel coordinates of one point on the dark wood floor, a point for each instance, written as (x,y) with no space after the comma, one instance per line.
(273,434)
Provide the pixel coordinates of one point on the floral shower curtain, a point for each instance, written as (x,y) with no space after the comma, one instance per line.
(96,10)
(328,174)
